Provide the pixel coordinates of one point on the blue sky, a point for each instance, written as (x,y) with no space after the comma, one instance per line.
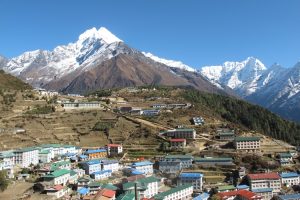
(197,32)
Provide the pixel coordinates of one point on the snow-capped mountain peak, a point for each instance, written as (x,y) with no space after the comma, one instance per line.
(101,33)
(170,63)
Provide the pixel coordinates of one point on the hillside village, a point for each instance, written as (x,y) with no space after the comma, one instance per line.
(136,143)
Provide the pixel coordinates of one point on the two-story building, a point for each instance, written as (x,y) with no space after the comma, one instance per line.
(247,144)
(184,133)
(290,179)
(285,158)
(195,179)
(91,166)
(170,167)
(100,175)
(95,153)
(114,149)
(148,187)
(146,167)
(265,180)
(58,177)
(214,161)
(186,160)
(178,143)
(112,165)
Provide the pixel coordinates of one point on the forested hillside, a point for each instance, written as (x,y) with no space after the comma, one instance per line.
(248,115)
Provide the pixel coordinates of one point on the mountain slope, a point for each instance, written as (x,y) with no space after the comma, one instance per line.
(97,60)
(9,82)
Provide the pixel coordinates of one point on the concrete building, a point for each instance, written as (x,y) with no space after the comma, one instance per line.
(148,187)
(180,133)
(186,160)
(183,192)
(247,144)
(82,105)
(114,149)
(265,193)
(170,167)
(150,112)
(7,162)
(178,143)
(265,180)
(95,153)
(285,158)
(290,179)
(58,177)
(195,179)
(112,165)
(57,191)
(212,161)
(26,156)
(239,195)
(197,121)
(145,167)
(225,134)
(289,197)
(62,164)
(91,166)
(100,175)
(45,156)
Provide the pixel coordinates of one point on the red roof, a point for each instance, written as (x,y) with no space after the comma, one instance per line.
(113,145)
(108,193)
(244,193)
(58,187)
(178,140)
(272,175)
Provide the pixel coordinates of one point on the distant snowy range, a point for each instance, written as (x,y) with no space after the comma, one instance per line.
(99,59)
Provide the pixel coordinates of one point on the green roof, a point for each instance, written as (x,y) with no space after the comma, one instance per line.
(147,180)
(285,155)
(110,186)
(142,183)
(179,157)
(72,173)
(95,184)
(162,195)
(57,173)
(226,133)
(244,139)
(130,186)
(55,166)
(226,187)
(128,196)
(44,151)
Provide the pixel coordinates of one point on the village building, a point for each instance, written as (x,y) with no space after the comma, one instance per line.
(114,149)
(285,158)
(150,112)
(100,175)
(180,133)
(148,187)
(186,160)
(105,194)
(91,166)
(58,149)
(83,182)
(225,134)
(112,165)
(183,192)
(195,179)
(45,156)
(94,187)
(226,188)
(170,167)
(212,161)
(63,164)
(82,105)
(26,156)
(178,143)
(242,187)
(159,106)
(145,167)
(265,180)
(265,193)
(7,162)
(239,195)
(289,197)
(203,196)
(58,177)
(57,191)
(247,144)
(290,179)
(73,177)
(95,153)
(197,121)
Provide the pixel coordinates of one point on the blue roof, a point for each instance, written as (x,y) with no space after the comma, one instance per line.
(94,151)
(262,190)
(103,172)
(289,175)
(191,175)
(290,196)
(70,154)
(93,162)
(83,191)
(136,172)
(242,186)
(144,163)
(83,156)
(202,196)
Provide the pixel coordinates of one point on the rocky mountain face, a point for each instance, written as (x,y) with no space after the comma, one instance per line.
(100,60)
(276,88)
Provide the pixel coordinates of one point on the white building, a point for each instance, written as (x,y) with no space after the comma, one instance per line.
(57,191)
(45,156)
(285,158)
(100,175)
(58,177)
(186,160)
(145,167)
(7,162)
(114,149)
(59,149)
(247,144)
(194,179)
(112,165)
(26,156)
(265,193)
(91,166)
(180,133)
(290,179)
(183,192)
(265,180)
(148,187)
